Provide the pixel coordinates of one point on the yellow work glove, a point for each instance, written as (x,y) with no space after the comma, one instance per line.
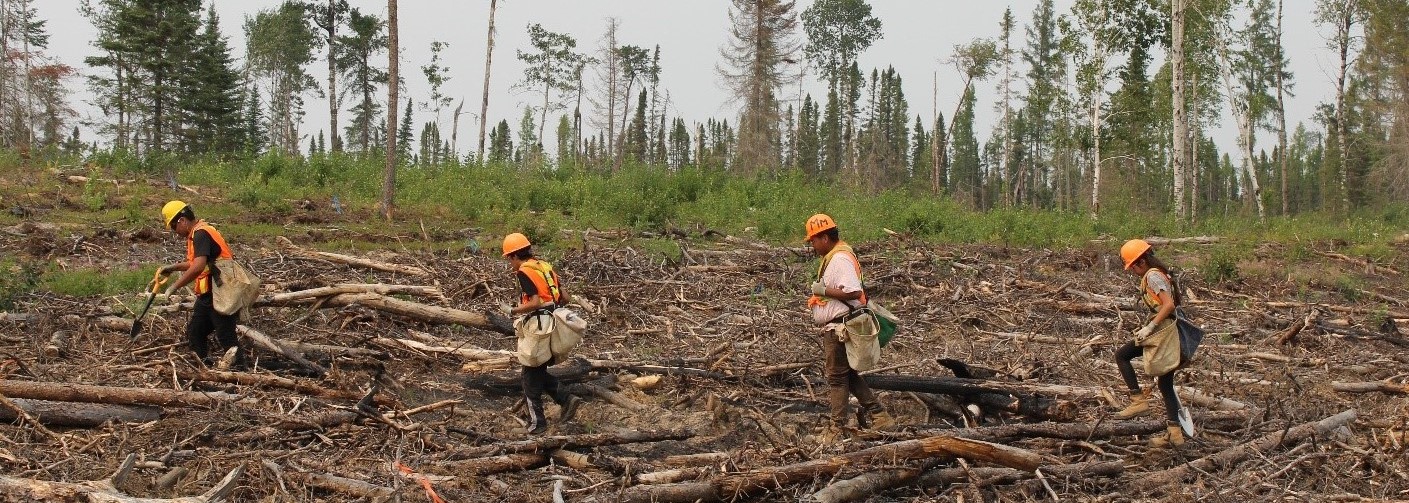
(157,280)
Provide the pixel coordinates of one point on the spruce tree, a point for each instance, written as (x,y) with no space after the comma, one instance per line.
(254,135)
(403,135)
(211,96)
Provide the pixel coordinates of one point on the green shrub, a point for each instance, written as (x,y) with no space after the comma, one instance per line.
(16,279)
(1221,266)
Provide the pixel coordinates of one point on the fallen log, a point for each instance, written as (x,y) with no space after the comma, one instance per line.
(493,464)
(753,482)
(548,444)
(80,414)
(353,261)
(269,343)
(1369,267)
(1369,311)
(273,381)
(466,351)
(510,383)
(341,485)
(1175,476)
(423,312)
(994,475)
(68,392)
(312,294)
(990,394)
(1069,431)
(1392,388)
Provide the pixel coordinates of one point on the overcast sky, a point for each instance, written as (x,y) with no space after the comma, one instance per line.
(918,37)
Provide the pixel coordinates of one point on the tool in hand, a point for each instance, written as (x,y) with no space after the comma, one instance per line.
(157,281)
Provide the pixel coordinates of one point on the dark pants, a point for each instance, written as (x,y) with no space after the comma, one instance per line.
(205,320)
(843,381)
(1166,382)
(536,381)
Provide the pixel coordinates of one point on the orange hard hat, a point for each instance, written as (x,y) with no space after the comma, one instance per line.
(515,242)
(818,223)
(1132,250)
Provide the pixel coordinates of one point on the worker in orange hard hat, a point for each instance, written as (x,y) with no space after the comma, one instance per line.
(835,294)
(1158,341)
(542,292)
(204,244)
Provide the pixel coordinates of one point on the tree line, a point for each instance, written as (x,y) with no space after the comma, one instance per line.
(1109,104)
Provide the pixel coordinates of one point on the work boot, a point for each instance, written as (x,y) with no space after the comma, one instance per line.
(1139,405)
(874,418)
(830,434)
(1173,437)
(569,408)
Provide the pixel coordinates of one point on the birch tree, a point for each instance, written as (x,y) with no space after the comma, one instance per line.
(1343,16)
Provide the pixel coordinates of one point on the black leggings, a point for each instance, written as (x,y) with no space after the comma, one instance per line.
(1166,382)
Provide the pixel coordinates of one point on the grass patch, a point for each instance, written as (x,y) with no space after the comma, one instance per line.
(94,282)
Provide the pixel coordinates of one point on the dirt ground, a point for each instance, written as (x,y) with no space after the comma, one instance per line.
(734,310)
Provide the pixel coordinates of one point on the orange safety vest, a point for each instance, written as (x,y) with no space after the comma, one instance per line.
(841,247)
(202,283)
(1151,297)
(544,278)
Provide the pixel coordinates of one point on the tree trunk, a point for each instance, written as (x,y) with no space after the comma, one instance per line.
(1098,51)
(1242,114)
(66,392)
(1343,43)
(488,57)
(393,76)
(546,444)
(81,414)
(333,138)
(1282,114)
(1181,120)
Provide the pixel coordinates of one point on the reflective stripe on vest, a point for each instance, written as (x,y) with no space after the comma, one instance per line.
(544,279)
(841,247)
(1151,298)
(202,283)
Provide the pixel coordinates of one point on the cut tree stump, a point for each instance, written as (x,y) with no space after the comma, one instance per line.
(81,414)
(1227,458)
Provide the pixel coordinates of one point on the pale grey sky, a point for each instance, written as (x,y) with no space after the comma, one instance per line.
(919,35)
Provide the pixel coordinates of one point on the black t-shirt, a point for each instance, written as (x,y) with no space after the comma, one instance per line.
(206,247)
(527,285)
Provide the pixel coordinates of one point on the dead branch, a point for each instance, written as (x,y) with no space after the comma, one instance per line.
(1226,458)
(21,489)
(739,485)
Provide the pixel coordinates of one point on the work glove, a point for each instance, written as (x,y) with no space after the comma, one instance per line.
(819,289)
(1145,331)
(158,280)
(506,309)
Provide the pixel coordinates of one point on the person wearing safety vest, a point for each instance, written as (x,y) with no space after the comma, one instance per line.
(542,292)
(1158,293)
(835,293)
(204,244)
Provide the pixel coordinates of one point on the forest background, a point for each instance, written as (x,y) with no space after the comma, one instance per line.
(1065,124)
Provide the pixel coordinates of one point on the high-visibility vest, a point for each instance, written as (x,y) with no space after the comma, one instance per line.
(544,278)
(202,283)
(1151,297)
(841,247)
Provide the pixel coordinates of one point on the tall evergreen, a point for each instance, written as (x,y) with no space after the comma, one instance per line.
(354,53)
(809,144)
(403,135)
(964,160)
(211,96)
(253,134)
